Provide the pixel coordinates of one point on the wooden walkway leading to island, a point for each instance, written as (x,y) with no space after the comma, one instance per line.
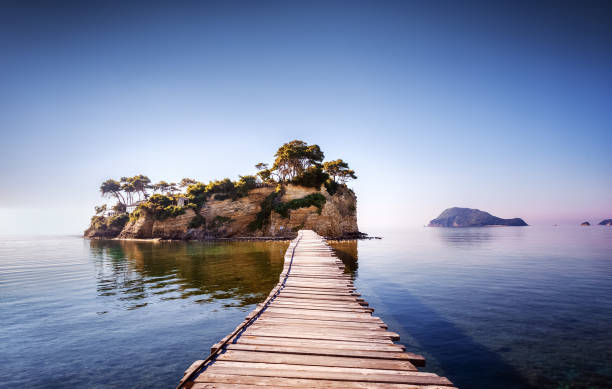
(313,331)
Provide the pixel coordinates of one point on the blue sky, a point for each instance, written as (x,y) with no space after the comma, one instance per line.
(504,108)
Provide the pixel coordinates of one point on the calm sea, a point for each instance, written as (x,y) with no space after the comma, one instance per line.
(507,307)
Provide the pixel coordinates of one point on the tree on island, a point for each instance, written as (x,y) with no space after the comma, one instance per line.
(339,171)
(100,209)
(165,187)
(126,188)
(112,187)
(295,157)
(186,182)
(302,164)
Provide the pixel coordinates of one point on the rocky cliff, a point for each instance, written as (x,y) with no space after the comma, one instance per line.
(606,222)
(467,217)
(336,218)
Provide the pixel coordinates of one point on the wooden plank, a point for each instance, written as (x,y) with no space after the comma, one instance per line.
(315,368)
(318,343)
(274,382)
(304,335)
(319,296)
(314,312)
(318,323)
(238,368)
(323,307)
(328,331)
(415,359)
(300,359)
(371,319)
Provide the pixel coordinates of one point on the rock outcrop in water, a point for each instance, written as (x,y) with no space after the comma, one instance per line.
(337,218)
(585,224)
(467,217)
(606,222)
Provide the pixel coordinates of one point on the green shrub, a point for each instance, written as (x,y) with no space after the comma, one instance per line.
(245,184)
(137,213)
(220,186)
(272,203)
(266,207)
(118,221)
(98,222)
(197,195)
(312,177)
(161,206)
(331,186)
(316,199)
(220,190)
(197,221)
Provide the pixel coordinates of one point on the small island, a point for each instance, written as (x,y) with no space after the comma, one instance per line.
(468,217)
(606,222)
(585,224)
(299,191)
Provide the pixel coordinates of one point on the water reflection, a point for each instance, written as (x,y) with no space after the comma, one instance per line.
(347,251)
(476,236)
(142,273)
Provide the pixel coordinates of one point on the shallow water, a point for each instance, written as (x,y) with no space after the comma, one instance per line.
(122,314)
(489,307)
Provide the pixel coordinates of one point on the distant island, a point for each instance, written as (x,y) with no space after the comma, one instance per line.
(585,224)
(606,222)
(299,191)
(468,217)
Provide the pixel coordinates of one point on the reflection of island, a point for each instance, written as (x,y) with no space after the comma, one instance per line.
(466,237)
(475,236)
(140,273)
(346,250)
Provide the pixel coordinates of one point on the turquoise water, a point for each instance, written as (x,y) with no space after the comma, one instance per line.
(489,307)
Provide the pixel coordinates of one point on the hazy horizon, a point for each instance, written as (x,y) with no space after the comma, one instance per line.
(504,108)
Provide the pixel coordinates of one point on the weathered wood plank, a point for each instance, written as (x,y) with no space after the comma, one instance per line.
(397,354)
(304,335)
(300,359)
(327,331)
(293,367)
(237,368)
(319,323)
(273,382)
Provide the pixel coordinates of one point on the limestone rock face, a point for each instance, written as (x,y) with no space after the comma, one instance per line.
(338,217)
(141,228)
(231,218)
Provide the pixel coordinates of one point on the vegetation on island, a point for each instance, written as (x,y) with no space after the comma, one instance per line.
(295,162)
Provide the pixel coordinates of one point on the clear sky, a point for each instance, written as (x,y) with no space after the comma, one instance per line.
(506,108)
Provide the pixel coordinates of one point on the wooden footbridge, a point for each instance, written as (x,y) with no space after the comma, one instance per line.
(313,331)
